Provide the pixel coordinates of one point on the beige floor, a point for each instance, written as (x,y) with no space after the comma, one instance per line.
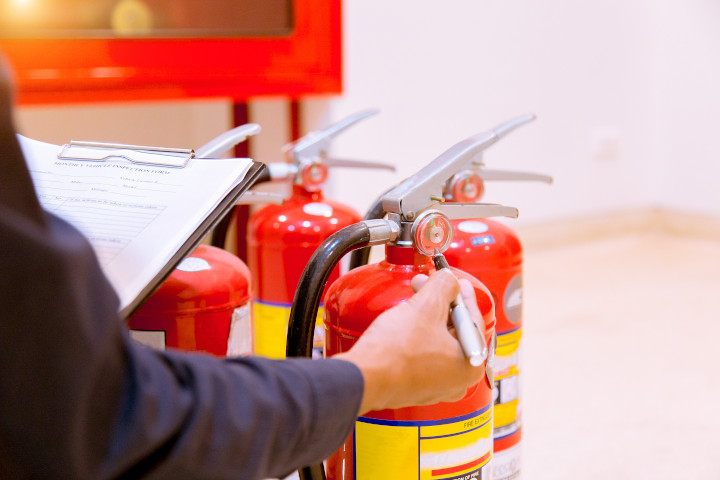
(621,351)
(621,359)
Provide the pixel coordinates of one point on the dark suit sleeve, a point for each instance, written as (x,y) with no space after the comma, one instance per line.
(80,400)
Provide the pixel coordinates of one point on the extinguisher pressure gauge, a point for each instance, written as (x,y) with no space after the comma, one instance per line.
(431,231)
(313,175)
(466,186)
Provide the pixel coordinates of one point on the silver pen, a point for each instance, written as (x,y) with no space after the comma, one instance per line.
(473,344)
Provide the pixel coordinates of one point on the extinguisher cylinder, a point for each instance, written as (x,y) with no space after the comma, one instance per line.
(310,287)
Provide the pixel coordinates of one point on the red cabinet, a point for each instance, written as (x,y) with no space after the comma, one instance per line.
(302,59)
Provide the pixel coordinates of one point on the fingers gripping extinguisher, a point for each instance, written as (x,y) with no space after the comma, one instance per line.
(204,304)
(492,252)
(446,440)
(282,238)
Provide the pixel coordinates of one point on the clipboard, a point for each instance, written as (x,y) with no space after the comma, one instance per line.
(171,199)
(210,222)
(138,154)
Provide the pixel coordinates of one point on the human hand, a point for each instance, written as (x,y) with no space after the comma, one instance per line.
(410,356)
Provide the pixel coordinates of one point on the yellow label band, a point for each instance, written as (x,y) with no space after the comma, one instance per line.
(454,448)
(270,322)
(506,389)
(508,342)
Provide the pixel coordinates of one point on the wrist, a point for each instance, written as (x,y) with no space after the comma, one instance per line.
(375,380)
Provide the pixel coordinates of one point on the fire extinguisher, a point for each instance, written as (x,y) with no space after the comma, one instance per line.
(204,304)
(446,440)
(492,252)
(282,238)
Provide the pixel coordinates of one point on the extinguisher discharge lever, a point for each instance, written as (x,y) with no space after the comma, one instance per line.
(473,344)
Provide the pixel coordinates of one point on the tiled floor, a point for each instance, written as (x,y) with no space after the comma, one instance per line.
(621,359)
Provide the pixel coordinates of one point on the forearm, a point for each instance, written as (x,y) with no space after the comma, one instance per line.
(81,400)
(252,418)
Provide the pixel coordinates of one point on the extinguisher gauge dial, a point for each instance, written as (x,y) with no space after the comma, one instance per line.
(431,230)
(465,187)
(313,175)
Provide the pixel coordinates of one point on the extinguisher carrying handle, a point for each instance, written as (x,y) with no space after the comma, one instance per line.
(338,162)
(308,294)
(224,142)
(511,176)
(424,189)
(316,143)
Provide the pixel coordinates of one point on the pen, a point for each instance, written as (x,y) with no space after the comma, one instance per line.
(473,344)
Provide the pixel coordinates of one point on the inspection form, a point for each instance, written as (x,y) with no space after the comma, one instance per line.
(136,216)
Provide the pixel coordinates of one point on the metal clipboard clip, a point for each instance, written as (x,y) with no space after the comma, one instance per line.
(138,154)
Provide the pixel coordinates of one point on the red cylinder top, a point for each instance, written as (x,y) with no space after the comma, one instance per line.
(305,219)
(354,301)
(208,279)
(491,252)
(483,243)
(282,238)
(381,286)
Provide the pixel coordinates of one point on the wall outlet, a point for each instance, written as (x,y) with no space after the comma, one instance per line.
(605,144)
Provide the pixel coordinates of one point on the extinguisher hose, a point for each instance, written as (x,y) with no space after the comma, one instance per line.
(309,291)
(361,256)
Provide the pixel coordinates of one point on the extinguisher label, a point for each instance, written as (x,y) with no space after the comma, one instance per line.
(505,464)
(240,340)
(318,209)
(194,264)
(506,391)
(454,448)
(270,322)
(513,299)
(151,338)
(472,226)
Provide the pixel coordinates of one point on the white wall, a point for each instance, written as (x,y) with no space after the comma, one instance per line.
(686,73)
(625,92)
(441,74)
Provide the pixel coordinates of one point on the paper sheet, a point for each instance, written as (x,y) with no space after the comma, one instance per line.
(135,216)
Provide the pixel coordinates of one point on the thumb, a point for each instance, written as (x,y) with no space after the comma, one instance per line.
(436,294)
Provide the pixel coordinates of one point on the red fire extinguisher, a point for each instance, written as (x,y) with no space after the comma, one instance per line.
(492,252)
(204,305)
(281,238)
(446,440)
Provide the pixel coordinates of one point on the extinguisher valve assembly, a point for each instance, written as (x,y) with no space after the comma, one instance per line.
(417,217)
(309,160)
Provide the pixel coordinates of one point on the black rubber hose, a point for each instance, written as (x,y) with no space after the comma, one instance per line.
(360,257)
(305,305)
